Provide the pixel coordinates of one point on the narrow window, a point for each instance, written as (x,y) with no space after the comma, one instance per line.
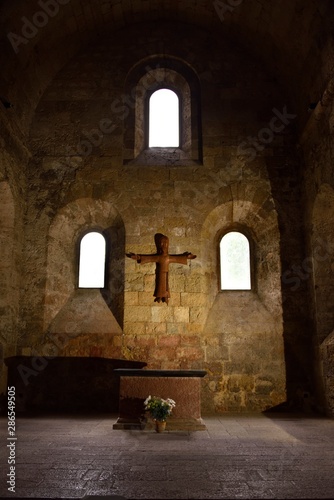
(92,261)
(235,273)
(164,119)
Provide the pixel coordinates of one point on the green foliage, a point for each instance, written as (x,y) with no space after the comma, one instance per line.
(159,408)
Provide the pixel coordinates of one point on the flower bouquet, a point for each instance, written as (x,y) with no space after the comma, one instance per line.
(159,409)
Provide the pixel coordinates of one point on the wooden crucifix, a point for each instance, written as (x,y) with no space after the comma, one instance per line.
(162,259)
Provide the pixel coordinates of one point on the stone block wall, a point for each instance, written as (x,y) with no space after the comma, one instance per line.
(318,264)
(14,156)
(78,181)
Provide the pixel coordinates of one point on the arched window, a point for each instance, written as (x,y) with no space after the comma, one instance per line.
(235,268)
(164,119)
(171,87)
(92,261)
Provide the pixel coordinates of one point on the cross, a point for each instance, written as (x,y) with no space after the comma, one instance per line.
(162,259)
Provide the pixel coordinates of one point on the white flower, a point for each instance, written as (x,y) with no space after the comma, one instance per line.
(171,402)
(147,400)
(159,408)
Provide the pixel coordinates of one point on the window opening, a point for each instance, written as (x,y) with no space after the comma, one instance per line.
(235,272)
(92,261)
(164,119)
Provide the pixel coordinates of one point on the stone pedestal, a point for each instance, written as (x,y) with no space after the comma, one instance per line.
(183,386)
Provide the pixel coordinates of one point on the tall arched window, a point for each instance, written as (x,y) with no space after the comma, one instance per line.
(147,80)
(235,268)
(164,119)
(92,261)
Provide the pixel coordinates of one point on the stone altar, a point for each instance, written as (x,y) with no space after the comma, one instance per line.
(183,386)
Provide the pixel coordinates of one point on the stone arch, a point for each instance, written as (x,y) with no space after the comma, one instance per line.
(147,76)
(253,210)
(83,321)
(243,333)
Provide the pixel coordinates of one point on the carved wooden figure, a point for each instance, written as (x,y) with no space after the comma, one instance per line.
(162,259)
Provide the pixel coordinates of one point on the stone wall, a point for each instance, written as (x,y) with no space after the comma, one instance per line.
(317,142)
(78,181)
(14,156)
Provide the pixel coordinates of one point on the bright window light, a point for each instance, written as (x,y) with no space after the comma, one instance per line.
(92,261)
(235,262)
(164,119)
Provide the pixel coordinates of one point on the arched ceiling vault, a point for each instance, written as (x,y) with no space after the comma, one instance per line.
(291,38)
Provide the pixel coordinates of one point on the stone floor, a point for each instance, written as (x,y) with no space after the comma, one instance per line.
(238,456)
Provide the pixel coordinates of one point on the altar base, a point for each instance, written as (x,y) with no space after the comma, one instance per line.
(183,386)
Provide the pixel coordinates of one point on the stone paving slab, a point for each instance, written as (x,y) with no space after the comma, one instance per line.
(237,456)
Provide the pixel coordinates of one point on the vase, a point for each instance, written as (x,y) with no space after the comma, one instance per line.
(160,425)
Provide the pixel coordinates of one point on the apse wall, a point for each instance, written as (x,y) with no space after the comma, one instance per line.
(81,177)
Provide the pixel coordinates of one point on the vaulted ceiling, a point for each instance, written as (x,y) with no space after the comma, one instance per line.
(293,39)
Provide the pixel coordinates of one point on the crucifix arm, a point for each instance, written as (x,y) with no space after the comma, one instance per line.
(133,256)
(142,259)
(190,255)
(181,258)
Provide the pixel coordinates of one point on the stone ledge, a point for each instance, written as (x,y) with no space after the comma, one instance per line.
(180,424)
(129,424)
(173,424)
(133,372)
